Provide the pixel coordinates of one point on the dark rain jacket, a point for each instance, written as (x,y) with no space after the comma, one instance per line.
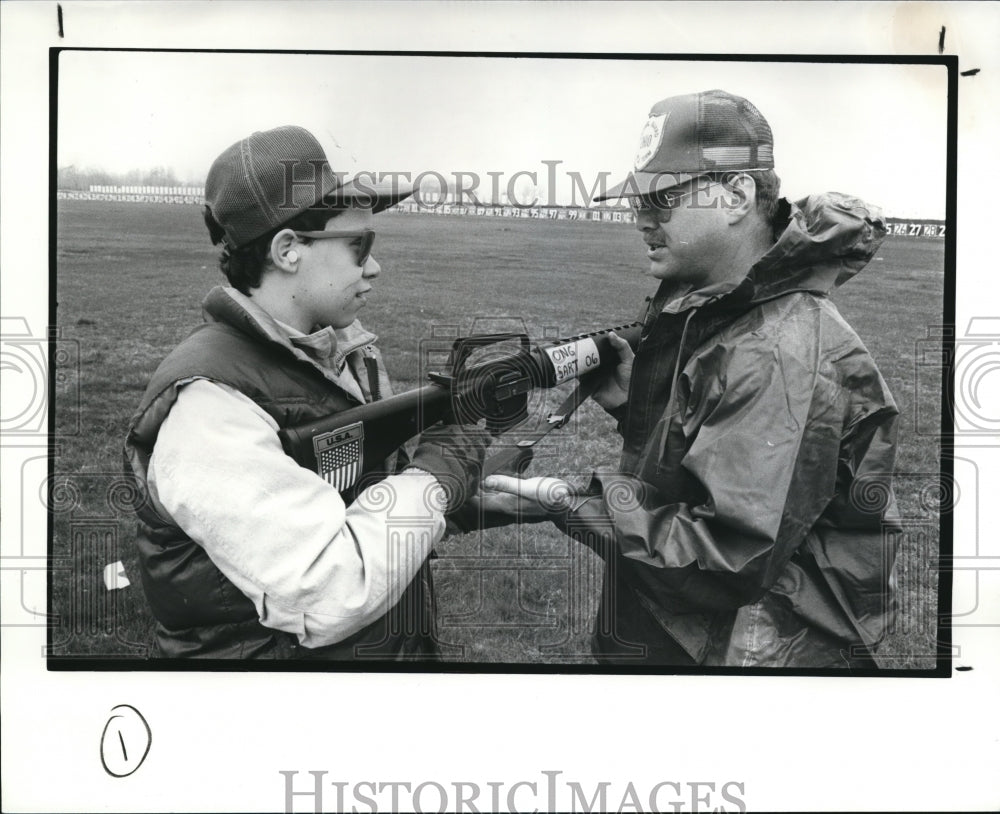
(753,512)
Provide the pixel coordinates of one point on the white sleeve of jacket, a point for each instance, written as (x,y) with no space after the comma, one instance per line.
(280,533)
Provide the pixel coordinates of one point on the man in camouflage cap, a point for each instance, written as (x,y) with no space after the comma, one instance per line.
(746,524)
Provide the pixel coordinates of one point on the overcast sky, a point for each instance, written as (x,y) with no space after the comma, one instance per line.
(875,131)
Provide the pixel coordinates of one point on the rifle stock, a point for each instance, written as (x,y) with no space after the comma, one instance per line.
(344,446)
(384,427)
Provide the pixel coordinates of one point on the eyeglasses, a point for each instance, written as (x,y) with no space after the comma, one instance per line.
(363,249)
(661,203)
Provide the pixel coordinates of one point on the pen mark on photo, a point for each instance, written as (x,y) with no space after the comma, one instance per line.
(129,724)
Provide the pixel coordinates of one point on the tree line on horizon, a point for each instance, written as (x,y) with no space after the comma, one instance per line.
(82,178)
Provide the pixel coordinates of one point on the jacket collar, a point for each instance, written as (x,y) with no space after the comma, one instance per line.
(678,303)
(326,349)
(329,347)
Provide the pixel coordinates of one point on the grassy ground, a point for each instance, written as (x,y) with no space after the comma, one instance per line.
(130,280)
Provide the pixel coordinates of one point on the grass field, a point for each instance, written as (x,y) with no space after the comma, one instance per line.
(129,285)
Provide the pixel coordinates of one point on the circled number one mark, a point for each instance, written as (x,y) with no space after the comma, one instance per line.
(133,733)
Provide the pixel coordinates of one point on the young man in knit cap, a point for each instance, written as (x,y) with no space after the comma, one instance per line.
(243,553)
(746,526)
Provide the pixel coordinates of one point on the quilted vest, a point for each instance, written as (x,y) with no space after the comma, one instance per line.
(198,611)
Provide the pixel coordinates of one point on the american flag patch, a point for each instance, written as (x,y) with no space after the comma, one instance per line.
(339,455)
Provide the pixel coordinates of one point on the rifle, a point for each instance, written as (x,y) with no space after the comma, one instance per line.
(344,446)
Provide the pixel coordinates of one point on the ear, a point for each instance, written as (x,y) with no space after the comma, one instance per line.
(285,251)
(740,198)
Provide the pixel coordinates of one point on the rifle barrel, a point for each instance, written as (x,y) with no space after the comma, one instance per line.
(494,389)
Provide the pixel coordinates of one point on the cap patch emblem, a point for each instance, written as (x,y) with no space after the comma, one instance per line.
(649,139)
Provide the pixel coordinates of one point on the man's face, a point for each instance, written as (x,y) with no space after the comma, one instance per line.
(686,233)
(332,285)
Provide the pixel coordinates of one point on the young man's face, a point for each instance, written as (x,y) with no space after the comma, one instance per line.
(332,285)
(688,240)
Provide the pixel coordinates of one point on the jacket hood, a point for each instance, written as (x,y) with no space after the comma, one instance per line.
(829,238)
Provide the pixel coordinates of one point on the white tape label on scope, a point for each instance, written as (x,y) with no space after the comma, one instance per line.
(574,359)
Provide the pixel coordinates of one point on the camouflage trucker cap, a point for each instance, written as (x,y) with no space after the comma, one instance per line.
(686,136)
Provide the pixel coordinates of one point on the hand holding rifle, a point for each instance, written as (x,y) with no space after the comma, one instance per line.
(613,391)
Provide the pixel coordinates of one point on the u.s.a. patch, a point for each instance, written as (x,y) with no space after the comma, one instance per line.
(340,455)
